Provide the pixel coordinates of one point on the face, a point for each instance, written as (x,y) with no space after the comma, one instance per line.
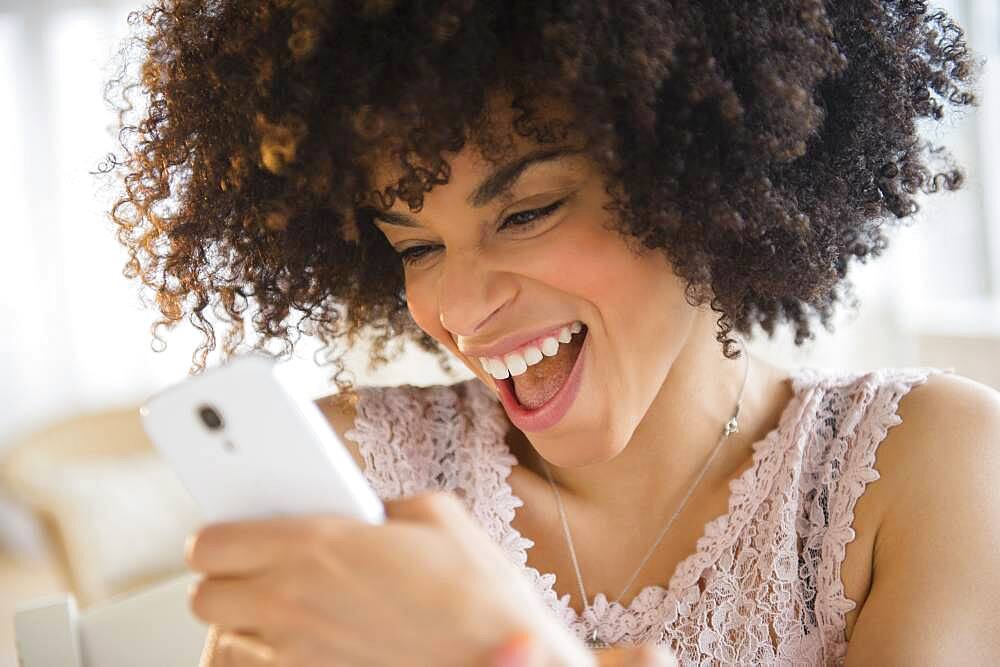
(538,256)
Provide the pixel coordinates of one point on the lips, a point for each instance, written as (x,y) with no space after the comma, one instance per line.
(553,410)
(513,351)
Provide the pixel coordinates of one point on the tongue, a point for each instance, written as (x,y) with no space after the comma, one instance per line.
(540,382)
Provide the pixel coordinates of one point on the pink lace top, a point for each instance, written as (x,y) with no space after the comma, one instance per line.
(769,566)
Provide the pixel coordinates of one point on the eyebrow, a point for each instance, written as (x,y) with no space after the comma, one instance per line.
(494,185)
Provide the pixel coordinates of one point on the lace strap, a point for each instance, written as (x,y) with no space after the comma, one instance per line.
(873,414)
(417,439)
(394,430)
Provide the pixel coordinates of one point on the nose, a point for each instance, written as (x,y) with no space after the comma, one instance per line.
(470,294)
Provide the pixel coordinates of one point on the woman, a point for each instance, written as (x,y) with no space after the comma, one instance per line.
(588,204)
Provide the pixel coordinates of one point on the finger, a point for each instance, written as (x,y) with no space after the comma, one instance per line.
(238,605)
(520,650)
(245,547)
(429,507)
(241,650)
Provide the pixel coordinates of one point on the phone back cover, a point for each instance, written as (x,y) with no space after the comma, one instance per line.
(276,455)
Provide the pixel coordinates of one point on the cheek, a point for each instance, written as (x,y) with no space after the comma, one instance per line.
(595,265)
(423,309)
(422,304)
(582,260)
(637,296)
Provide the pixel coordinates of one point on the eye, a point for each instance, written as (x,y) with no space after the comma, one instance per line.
(533,216)
(414,254)
(523,220)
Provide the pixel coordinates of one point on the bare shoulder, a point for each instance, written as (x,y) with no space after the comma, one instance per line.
(948,440)
(935,593)
(948,403)
(340,414)
(947,424)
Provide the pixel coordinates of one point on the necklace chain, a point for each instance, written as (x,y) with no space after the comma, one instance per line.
(729,428)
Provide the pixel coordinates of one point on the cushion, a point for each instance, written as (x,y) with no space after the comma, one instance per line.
(122,520)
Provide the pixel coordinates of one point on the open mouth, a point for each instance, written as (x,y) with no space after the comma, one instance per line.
(540,382)
(538,398)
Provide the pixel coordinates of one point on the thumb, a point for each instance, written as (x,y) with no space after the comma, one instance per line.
(519,650)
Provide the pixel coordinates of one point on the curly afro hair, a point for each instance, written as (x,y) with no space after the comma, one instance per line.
(760,146)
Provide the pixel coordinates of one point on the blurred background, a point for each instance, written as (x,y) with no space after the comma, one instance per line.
(84,504)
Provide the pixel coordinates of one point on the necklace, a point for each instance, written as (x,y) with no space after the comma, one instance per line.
(730,427)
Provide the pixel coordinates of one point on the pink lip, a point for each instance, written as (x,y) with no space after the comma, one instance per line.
(548,414)
(513,342)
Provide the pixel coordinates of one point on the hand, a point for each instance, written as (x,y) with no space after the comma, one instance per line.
(522,650)
(428,587)
(637,656)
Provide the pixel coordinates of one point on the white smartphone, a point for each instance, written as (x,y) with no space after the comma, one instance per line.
(247,445)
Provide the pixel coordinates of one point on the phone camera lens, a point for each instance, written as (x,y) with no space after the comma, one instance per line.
(210,417)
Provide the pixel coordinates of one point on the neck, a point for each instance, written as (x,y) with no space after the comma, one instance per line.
(678,433)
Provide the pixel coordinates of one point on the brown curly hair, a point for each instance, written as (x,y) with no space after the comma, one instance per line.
(760,146)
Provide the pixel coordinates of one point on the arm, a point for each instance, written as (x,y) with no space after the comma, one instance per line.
(935,595)
(639,656)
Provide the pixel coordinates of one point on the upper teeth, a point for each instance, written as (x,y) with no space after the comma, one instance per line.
(517,361)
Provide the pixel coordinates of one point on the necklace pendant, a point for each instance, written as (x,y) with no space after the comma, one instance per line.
(732,426)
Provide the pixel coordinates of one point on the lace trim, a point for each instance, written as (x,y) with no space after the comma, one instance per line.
(886,388)
(398,430)
(650,607)
(452,437)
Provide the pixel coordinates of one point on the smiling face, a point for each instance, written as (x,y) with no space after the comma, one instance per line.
(540,255)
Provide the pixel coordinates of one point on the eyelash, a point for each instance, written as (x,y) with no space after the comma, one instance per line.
(413,255)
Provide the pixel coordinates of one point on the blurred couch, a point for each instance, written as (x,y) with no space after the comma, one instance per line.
(112,515)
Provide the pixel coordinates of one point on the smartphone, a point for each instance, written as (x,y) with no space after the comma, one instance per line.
(247,445)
